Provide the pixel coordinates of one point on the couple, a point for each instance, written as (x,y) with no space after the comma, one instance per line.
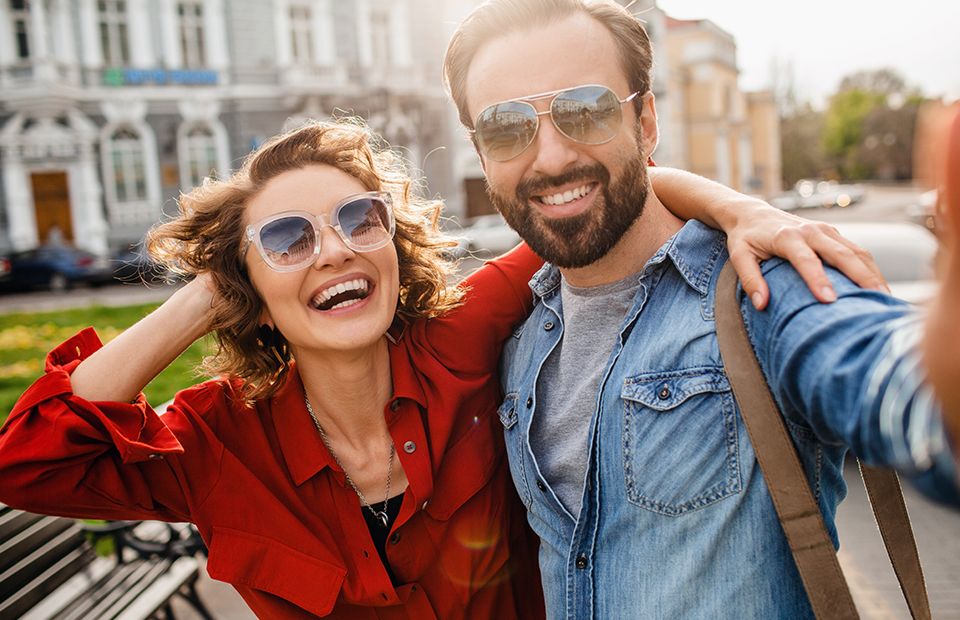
(355,383)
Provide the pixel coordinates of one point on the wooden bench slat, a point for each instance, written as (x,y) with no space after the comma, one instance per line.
(18,602)
(184,570)
(54,604)
(35,536)
(39,562)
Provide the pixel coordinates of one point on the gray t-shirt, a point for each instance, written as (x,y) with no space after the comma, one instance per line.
(568,384)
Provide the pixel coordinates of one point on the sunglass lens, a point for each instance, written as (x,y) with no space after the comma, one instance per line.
(505,129)
(367,223)
(587,114)
(288,242)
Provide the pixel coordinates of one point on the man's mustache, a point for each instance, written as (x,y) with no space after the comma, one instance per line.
(541,184)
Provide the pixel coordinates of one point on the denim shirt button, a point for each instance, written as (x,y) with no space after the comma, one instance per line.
(548,325)
(664,393)
(529,402)
(541,486)
(581,561)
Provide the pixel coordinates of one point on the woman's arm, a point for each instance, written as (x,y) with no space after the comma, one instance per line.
(756,231)
(120,370)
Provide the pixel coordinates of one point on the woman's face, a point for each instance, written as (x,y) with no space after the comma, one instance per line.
(299,303)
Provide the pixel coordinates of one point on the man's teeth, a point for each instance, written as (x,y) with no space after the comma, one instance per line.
(568,196)
(328,293)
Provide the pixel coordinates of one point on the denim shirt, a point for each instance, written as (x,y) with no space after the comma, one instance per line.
(676,519)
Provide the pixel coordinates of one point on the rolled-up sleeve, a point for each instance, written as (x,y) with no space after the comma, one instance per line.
(64,454)
(851,372)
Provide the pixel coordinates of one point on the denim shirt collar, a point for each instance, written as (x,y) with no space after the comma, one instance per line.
(693,250)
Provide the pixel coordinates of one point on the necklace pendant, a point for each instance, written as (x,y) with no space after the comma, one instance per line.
(382,516)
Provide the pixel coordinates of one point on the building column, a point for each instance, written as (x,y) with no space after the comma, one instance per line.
(91,56)
(86,192)
(169,41)
(325,50)
(215,31)
(281,29)
(141,45)
(400,34)
(39,41)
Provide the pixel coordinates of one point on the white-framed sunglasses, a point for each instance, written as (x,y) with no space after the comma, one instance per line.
(290,240)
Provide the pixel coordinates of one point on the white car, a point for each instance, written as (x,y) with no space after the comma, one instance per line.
(904,252)
(489,234)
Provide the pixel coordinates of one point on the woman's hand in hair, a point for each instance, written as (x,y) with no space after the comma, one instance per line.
(120,370)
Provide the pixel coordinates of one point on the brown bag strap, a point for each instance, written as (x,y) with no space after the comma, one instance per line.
(886,498)
(799,514)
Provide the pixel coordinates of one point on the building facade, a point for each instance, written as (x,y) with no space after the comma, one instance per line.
(109,109)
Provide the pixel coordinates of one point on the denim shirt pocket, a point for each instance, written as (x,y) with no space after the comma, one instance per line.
(680,450)
(515,445)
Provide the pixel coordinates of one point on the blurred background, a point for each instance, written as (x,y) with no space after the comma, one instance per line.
(110,108)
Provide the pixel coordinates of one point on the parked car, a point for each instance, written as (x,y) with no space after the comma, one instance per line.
(56,268)
(924,211)
(811,194)
(904,252)
(489,234)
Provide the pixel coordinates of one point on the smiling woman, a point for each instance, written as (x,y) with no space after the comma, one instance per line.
(349,454)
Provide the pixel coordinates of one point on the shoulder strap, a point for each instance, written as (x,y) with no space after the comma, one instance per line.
(793,500)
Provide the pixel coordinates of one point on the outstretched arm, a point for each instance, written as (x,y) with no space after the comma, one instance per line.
(756,231)
(120,370)
(941,350)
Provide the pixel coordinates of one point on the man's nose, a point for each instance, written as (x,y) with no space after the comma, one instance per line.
(554,151)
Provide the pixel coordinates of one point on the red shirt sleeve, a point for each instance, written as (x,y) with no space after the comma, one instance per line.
(63,454)
(498,297)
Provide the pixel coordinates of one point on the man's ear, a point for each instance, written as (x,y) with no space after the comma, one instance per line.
(649,131)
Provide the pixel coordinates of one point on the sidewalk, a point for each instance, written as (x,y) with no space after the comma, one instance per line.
(110,295)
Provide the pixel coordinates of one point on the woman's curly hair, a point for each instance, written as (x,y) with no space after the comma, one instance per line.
(208,235)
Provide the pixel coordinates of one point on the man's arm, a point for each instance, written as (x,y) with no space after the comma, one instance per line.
(756,231)
(941,350)
(851,373)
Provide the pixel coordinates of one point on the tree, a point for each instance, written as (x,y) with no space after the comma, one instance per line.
(869,124)
(802,155)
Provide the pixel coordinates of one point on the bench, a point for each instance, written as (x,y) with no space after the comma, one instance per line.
(49,569)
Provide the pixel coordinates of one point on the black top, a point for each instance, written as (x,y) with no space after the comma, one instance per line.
(379,533)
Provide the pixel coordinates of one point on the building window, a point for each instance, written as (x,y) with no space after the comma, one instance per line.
(112,16)
(190,16)
(20,15)
(127,164)
(201,154)
(380,37)
(301,33)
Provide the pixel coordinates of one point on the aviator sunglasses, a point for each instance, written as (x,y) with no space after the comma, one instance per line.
(290,240)
(588,114)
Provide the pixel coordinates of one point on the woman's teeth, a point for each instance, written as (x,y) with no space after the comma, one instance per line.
(568,196)
(342,295)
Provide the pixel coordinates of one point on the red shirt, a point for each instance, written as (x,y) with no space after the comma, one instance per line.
(282,525)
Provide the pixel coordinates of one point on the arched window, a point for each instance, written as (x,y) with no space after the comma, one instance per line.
(126,154)
(301,32)
(200,151)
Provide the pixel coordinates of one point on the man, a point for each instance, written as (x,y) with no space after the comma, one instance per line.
(624,439)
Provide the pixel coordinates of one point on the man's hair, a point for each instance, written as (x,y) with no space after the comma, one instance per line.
(495,18)
(208,235)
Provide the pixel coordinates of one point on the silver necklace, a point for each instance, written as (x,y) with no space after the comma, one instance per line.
(381,515)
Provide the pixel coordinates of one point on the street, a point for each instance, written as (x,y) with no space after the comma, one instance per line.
(862,553)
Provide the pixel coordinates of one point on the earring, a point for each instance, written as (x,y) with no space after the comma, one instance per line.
(270,338)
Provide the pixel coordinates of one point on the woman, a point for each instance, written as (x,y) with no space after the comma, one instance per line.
(353,382)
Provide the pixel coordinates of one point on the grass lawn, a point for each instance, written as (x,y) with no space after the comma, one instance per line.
(26,338)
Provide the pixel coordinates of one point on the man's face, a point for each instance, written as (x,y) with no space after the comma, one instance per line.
(571,202)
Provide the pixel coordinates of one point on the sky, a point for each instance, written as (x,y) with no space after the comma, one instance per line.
(825,40)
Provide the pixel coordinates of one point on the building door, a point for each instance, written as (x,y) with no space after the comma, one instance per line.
(478,203)
(51,202)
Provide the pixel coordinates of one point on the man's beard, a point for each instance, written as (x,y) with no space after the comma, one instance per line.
(578,240)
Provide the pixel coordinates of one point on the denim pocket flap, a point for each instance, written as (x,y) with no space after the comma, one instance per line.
(508,411)
(663,391)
